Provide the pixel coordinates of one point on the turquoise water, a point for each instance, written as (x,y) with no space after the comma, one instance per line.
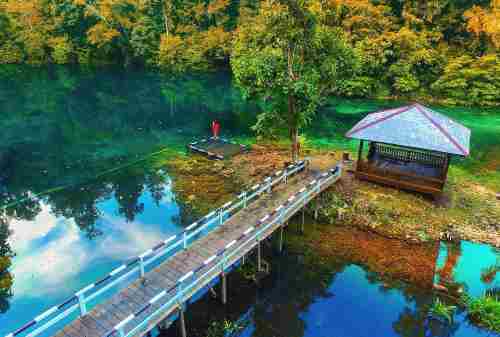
(81,193)
(474,263)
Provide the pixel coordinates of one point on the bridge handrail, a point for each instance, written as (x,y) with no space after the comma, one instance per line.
(139,263)
(226,253)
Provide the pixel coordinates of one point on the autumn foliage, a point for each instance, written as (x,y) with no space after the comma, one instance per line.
(403,48)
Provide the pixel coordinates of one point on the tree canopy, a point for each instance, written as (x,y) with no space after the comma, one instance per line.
(403,48)
(287,57)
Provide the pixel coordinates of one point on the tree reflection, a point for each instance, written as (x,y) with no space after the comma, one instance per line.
(5,263)
(69,136)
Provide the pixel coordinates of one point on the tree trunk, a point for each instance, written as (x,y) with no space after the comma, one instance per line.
(295,144)
(165,17)
(292,113)
(293,128)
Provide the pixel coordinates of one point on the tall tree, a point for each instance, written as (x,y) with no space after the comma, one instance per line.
(287,58)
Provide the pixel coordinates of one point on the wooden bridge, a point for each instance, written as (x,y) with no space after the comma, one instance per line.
(150,289)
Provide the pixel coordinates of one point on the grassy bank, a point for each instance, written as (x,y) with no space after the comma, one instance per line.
(468,209)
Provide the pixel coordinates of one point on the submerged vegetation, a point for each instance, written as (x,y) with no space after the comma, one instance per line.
(440,310)
(446,50)
(484,311)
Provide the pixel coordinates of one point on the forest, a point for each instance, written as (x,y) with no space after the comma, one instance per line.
(439,51)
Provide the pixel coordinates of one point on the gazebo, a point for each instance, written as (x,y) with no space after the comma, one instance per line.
(409,147)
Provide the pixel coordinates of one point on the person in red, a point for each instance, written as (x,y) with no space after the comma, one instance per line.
(215,129)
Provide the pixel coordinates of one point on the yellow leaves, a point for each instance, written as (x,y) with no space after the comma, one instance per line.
(216,38)
(194,51)
(10,53)
(475,19)
(361,18)
(29,13)
(485,21)
(217,6)
(172,53)
(101,34)
(61,49)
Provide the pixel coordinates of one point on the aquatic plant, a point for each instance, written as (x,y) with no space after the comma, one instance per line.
(223,329)
(484,311)
(488,274)
(248,271)
(440,310)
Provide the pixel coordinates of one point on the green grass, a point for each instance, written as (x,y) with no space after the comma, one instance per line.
(484,311)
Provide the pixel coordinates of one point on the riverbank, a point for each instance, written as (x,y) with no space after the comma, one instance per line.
(468,209)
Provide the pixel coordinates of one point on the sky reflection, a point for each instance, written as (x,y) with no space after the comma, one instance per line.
(55,257)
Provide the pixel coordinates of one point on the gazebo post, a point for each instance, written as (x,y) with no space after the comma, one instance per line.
(446,167)
(360,153)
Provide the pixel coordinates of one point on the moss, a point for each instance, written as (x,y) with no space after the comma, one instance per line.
(203,184)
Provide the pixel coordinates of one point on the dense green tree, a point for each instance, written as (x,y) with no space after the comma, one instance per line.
(287,58)
(404,46)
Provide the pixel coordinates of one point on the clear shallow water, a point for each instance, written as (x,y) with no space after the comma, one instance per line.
(342,299)
(474,267)
(77,138)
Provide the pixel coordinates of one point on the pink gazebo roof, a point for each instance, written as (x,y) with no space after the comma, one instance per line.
(414,126)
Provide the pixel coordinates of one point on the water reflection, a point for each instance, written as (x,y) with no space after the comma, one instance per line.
(78,188)
(74,236)
(468,267)
(328,291)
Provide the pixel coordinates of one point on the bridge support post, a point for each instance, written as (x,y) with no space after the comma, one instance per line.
(303,219)
(281,238)
(182,322)
(259,257)
(223,288)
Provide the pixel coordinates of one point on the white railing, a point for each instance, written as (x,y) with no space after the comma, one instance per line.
(137,265)
(194,147)
(224,258)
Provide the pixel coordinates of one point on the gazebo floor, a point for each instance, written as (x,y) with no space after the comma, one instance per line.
(399,179)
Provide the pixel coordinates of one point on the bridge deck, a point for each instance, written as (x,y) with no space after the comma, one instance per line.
(103,318)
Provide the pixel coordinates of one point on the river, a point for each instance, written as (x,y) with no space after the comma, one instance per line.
(81,193)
